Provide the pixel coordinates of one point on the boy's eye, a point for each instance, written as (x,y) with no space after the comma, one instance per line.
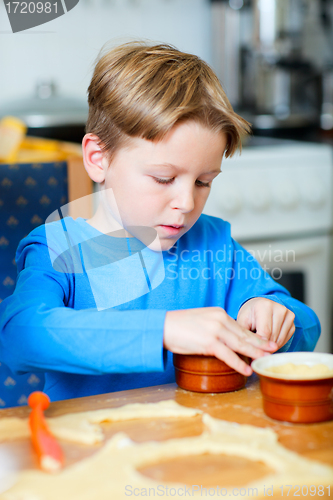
(163,181)
(202,184)
(168,181)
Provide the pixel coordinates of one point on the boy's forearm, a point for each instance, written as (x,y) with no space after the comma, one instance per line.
(86,342)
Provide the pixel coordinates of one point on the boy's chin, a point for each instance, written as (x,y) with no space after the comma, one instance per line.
(167,244)
(161,246)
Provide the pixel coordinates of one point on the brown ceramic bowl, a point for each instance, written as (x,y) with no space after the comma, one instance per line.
(206,374)
(291,398)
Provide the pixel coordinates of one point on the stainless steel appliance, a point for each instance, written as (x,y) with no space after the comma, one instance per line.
(271,55)
(278,199)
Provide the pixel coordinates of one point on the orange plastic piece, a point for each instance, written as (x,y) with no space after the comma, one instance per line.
(49,453)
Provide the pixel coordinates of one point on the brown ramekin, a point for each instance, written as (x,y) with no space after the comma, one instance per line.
(293,399)
(206,374)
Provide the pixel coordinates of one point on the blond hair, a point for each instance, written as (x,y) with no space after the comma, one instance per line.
(141,90)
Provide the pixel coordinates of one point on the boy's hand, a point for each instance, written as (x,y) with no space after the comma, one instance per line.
(268,319)
(212,332)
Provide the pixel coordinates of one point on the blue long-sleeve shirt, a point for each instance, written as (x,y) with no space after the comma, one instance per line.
(89,309)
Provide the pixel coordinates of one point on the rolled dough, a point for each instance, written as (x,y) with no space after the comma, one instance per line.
(113,468)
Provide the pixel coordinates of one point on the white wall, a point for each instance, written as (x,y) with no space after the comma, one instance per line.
(65,49)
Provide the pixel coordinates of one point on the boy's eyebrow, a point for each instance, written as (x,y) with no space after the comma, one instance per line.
(215,171)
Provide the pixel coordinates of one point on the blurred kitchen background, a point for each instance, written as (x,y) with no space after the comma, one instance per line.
(275,61)
(274,57)
(61,53)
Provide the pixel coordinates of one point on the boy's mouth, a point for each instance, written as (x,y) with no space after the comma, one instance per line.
(172,229)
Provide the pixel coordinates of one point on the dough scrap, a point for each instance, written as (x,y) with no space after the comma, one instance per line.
(114,466)
(83,428)
(302,371)
(13,428)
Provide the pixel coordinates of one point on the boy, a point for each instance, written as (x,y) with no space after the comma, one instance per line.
(100,305)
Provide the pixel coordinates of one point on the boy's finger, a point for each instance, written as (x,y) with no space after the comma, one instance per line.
(263,344)
(264,324)
(244,320)
(240,330)
(248,345)
(282,323)
(287,331)
(241,336)
(225,354)
(278,320)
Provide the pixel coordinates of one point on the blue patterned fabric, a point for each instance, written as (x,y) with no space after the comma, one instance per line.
(29,193)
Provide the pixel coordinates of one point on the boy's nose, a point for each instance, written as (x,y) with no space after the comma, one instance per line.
(184,200)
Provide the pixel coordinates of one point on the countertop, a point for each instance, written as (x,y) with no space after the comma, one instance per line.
(314,441)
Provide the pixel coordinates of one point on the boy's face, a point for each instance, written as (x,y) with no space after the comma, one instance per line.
(165,184)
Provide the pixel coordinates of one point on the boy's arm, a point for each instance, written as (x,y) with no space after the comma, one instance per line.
(37,331)
(307,326)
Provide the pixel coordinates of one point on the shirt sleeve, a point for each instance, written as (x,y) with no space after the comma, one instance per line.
(38,331)
(248,280)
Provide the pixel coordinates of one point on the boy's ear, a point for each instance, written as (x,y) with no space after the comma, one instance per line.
(95,161)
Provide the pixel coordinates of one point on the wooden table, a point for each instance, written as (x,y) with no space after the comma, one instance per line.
(314,441)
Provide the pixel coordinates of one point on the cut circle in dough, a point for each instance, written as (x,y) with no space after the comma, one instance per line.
(230,469)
